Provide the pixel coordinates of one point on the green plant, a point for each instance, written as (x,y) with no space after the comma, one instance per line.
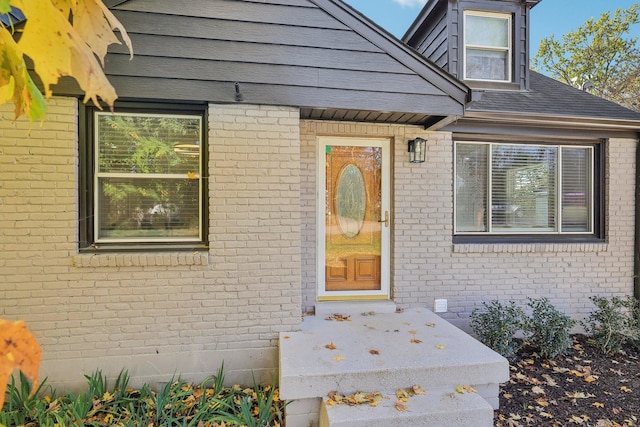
(547,329)
(614,323)
(496,325)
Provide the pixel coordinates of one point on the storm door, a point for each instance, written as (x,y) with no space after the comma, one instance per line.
(354,218)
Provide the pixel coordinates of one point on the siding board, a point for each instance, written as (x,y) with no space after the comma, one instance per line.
(240,11)
(251,32)
(195,69)
(234,51)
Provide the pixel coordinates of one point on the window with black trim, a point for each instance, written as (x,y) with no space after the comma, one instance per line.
(142,177)
(487,46)
(527,189)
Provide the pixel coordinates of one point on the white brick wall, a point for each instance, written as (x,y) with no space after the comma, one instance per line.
(163,313)
(155,314)
(427,265)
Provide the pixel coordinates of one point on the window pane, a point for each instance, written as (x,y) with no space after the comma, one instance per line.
(148,179)
(487,31)
(137,209)
(576,189)
(487,65)
(148,144)
(523,195)
(471,187)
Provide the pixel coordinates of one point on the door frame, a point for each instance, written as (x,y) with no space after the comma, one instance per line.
(385,252)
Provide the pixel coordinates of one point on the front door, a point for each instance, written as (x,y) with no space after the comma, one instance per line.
(354,218)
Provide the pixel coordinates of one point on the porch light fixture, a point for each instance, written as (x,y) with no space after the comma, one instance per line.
(417,150)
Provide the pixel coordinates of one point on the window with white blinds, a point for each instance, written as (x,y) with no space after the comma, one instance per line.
(487,46)
(147,181)
(523,189)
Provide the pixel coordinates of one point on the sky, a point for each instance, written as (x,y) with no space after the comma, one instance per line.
(548,17)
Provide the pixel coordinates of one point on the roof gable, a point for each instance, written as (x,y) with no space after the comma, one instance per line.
(319,55)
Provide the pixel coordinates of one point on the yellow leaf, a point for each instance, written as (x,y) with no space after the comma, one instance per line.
(546,415)
(507,396)
(431,325)
(59,48)
(625,389)
(412,332)
(598,404)
(18,350)
(338,358)
(590,378)
(16,85)
(440,346)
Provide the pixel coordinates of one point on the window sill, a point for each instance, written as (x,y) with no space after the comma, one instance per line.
(466,248)
(169,259)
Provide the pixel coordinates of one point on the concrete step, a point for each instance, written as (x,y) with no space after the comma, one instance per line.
(437,408)
(385,352)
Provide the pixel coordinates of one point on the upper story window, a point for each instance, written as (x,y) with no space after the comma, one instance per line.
(525,189)
(487,46)
(143,181)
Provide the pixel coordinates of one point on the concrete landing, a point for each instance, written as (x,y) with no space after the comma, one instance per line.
(376,352)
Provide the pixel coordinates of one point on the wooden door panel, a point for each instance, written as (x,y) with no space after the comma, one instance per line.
(353,228)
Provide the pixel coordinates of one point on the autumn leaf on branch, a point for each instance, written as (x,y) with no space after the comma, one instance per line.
(18,350)
(62,38)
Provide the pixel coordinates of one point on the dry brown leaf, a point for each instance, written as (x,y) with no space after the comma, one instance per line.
(416,340)
(374,352)
(401,406)
(331,346)
(418,390)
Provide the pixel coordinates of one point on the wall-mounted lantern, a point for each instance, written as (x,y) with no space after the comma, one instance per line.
(417,150)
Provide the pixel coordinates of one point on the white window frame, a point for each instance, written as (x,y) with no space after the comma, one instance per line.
(558,188)
(508,49)
(99,174)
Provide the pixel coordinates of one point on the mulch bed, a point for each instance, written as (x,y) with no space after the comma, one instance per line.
(582,387)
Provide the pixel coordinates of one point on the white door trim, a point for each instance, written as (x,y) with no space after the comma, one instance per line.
(385,254)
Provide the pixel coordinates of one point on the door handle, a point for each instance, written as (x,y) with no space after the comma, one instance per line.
(386,219)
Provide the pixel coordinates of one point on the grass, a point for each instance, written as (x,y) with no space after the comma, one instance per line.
(177,403)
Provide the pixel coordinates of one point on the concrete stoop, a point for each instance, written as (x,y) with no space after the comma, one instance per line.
(382,352)
(436,408)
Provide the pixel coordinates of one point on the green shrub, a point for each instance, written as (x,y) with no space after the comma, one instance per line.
(547,330)
(614,323)
(496,325)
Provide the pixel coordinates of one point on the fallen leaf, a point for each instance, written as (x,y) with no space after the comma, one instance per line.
(286,337)
(463,389)
(339,318)
(416,340)
(331,346)
(537,390)
(401,406)
(431,325)
(418,390)
(625,389)
(598,404)
(374,351)
(440,346)
(412,332)
(338,358)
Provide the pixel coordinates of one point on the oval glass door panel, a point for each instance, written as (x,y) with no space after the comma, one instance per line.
(352,218)
(351,201)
